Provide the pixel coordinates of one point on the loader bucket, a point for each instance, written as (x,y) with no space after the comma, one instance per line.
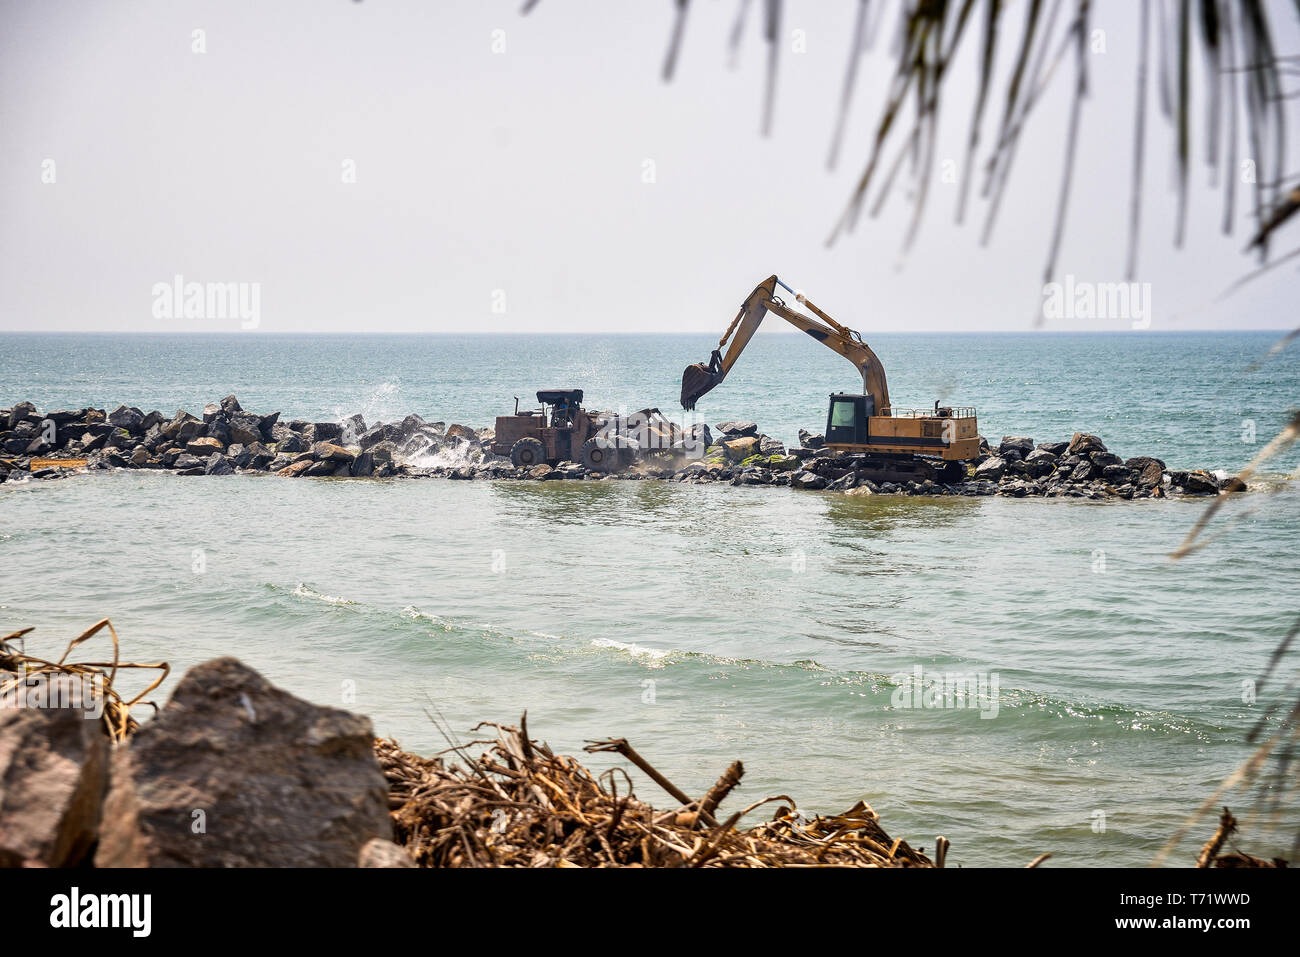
(696,381)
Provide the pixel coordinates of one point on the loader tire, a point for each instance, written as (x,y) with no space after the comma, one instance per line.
(600,457)
(526,453)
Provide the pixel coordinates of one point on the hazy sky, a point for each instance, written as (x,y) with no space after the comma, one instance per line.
(506,191)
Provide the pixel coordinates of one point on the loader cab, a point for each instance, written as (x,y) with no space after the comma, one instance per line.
(846,421)
(565,404)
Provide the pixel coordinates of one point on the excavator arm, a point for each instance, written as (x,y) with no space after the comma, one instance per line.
(699,378)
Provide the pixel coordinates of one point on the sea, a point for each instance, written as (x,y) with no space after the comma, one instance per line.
(1020,676)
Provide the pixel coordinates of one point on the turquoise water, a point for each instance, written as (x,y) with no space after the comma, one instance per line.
(708,624)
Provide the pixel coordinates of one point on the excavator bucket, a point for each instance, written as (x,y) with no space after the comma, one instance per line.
(696,381)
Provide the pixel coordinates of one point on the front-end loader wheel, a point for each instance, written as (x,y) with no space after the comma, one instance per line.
(599,456)
(526,453)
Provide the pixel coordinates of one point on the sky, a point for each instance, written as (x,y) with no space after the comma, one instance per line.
(453,166)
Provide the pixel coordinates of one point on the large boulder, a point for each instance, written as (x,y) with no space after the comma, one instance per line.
(735,429)
(353,427)
(234,772)
(1017,446)
(1149,472)
(204,447)
(53,775)
(1084,443)
(1201,483)
(328,451)
(739,449)
(127,418)
(811,440)
(19,412)
(245,429)
(991,469)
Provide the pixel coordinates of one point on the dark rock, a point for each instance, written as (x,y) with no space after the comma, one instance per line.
(19,412)
(230,405)
(411,424)
(1117,474)
(323,432)
(1018,445)
(1232,484)
(318,469)
(1083,472)
(461,432)
(991,469)
(1103,459)
(190,429)
(187,461)
(323,451)
(245,429)
(770,446)
(737,429)
(219,430)
(172,428)
(1056,448)
(53,775)
(1201,483)
(259,456)
(287,440)
(219,465)
(363,465)
(93,443)
(807,480)
(1084,443)
(126,418)
(811,440)
(1150,472)
(277,782)
(294,469)
(211,413)
(380,433)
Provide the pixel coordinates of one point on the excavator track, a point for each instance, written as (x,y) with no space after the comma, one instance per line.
(899,470)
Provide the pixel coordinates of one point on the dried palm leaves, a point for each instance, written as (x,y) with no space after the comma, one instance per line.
(521,805)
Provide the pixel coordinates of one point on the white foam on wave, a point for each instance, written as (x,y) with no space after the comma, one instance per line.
(305,591)
(636,651)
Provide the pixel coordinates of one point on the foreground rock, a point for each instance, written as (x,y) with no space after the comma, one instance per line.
(228,440)
(236,773)
(53,774)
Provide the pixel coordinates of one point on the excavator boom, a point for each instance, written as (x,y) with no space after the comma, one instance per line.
(699,378)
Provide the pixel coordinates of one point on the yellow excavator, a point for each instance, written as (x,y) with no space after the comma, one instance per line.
(888,444)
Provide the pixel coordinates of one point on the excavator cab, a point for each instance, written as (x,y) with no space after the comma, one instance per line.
(908,443)
(846,421)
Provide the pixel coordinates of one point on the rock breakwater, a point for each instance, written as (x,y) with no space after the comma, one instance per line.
(226,439)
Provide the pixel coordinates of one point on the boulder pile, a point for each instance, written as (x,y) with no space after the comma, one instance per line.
(225,440)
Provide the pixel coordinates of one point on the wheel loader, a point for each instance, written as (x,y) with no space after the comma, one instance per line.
(889,444)
(560,431)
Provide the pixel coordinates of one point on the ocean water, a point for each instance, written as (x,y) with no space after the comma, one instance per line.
(707,624)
